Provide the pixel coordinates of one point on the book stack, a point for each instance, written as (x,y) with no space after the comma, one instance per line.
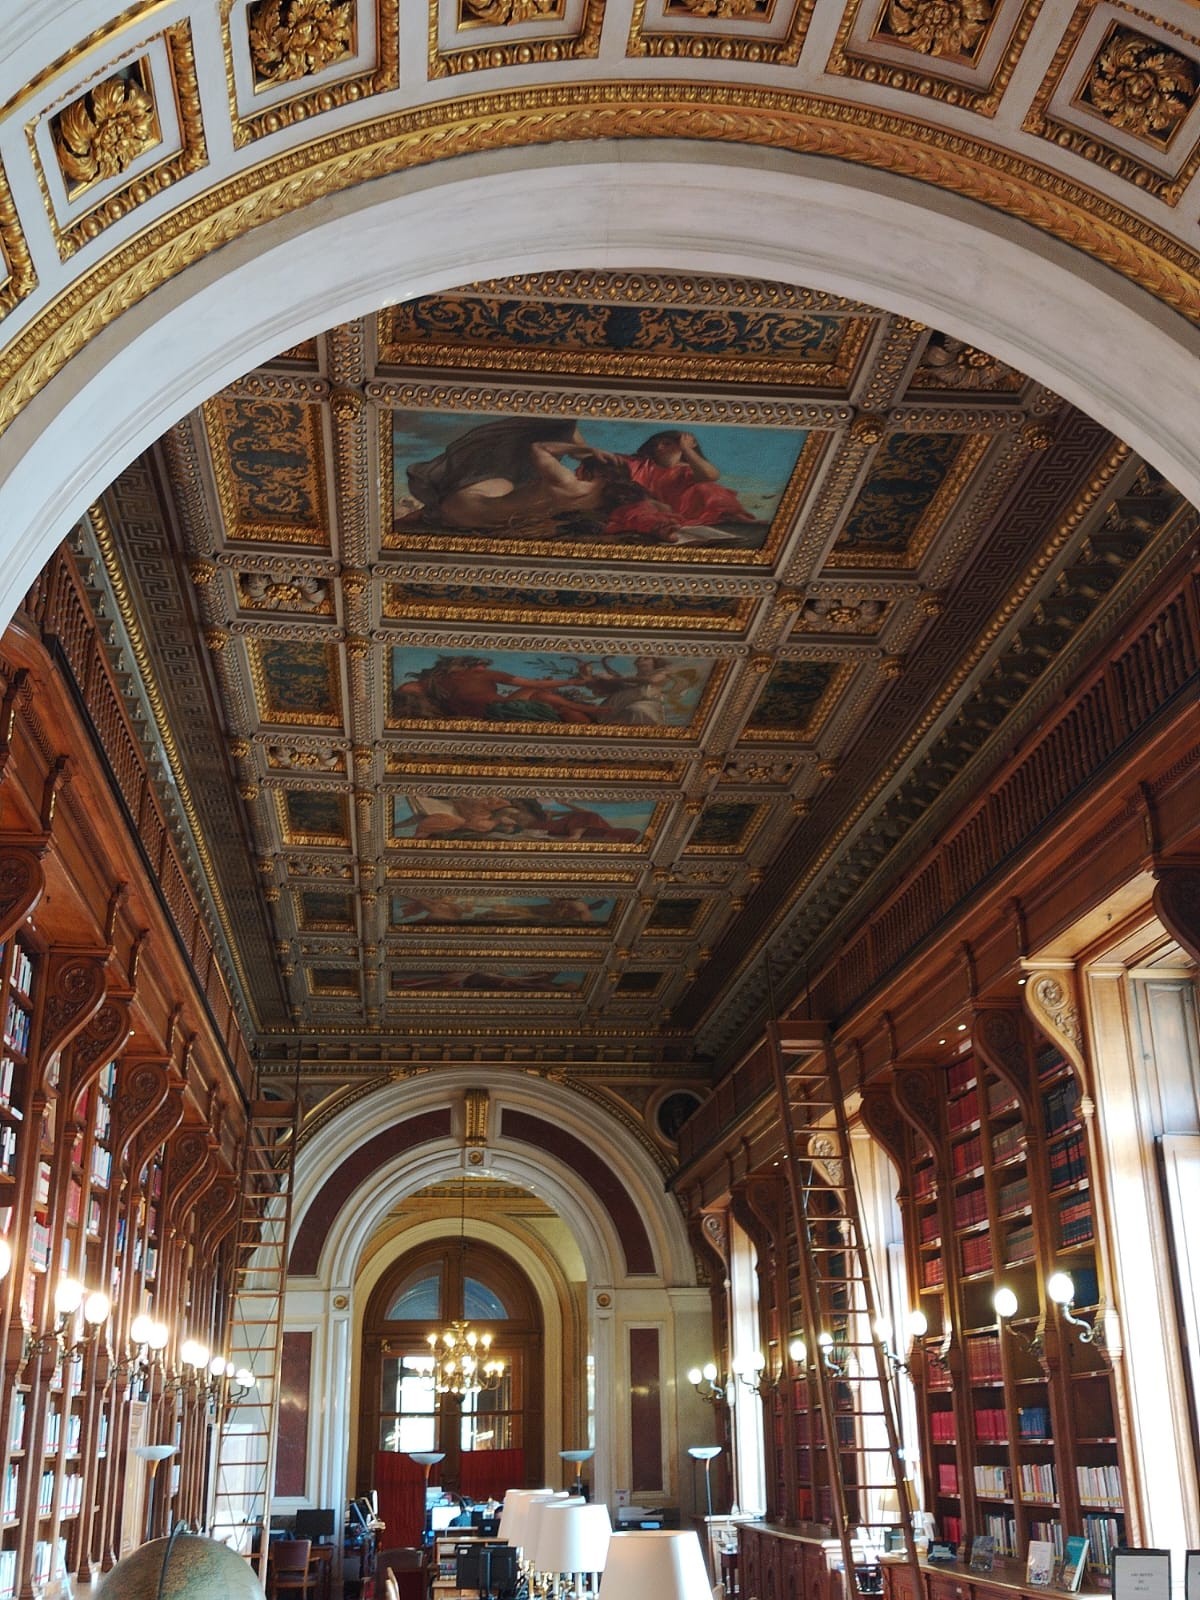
(1068,1162)
(1038,1482)
(947,1477)
(991,1425)
(1099,1486)
(983,1358)
(968,1155)
(1033,1422)
(969,1207)
(976,1253)
(1075,1221)
(963,1112)
(993,1483)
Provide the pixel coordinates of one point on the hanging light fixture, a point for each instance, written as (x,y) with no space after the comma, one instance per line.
(462,1360)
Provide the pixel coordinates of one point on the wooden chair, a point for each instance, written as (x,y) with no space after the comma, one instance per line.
(410,1569)
(288,1568)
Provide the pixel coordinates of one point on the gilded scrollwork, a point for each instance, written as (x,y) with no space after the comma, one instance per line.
(507,13)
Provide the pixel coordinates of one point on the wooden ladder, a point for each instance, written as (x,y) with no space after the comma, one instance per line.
(247,1418)
(851,1368)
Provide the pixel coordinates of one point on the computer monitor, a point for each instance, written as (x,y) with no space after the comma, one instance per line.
(440,1517)
(318,1526)
(488,1569)
(486,1527)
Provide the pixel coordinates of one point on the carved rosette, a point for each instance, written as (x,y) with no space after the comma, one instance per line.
(824,1154)
(1177,904)
(1050,999)
(997,1035)
(22,879)
(75,991)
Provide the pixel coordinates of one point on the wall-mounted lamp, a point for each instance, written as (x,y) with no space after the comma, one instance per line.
(149,1339)
(704,1381)
(752,1372)
(70,1297)
(1060,1287)
(835,1360)
(1005,1305)
(918,1326)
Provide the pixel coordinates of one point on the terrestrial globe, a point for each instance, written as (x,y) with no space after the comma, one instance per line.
(197,1569)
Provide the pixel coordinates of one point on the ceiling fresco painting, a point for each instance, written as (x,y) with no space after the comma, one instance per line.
(544,655)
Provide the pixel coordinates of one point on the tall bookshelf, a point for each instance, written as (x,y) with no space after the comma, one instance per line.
(1016,1412)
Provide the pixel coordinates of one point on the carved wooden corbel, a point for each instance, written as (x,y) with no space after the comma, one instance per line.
(998,1035)
(22,880)
(1177,904)
(1052,1003)
(882,1120)
(101,1041)
(142,1086)
(8,713)
(74,992)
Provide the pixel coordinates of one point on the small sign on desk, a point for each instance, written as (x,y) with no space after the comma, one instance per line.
(1141,1574)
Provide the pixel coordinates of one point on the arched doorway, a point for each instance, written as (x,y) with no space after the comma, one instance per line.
(425,1289)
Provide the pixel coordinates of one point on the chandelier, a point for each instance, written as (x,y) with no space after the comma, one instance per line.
(462,1361)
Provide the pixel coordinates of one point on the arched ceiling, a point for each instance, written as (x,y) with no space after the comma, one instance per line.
(135,141)
(547,769)
(943,544)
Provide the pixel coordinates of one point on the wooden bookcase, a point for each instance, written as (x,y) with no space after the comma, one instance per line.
(1016,1413)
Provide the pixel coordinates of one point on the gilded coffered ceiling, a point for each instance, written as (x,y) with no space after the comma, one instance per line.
(536,662)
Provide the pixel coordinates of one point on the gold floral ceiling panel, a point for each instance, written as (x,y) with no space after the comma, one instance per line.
(536,658)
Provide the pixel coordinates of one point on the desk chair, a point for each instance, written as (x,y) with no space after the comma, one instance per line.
(410,1584)
(405,1558)
(288,1568)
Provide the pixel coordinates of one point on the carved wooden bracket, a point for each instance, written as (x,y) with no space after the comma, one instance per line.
(187,1155)
(920,1099)
(998,1034)
(74,993)
(101,1041)
(216,1213)
(883,1122)
(22,879)
(159,1126)
(715,1235)
(8,713)
(1177,905)
(1050,999)
(142,1085)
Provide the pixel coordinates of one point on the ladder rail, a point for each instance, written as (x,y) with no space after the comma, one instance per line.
(813,1307)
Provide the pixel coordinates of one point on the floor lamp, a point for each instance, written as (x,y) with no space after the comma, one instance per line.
(153,1455)
(706,1453)
(578,1457)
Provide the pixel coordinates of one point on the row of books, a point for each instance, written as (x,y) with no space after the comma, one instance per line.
(16,1421)
(952,1529)
(11,1491)
(54,1431)
(1037,1481)
(976,1252)
(1003,1530)
(1019,1245)
(964,1111)
(1060,1104)
(1099,1486)
(8,1574)
(1075,1223)
(924,1182)
(1049,1533)
(1068,1162)
(933,1272)
(8,1149)
(947,1477)
(1013,1196)
(1104,1535)
(968,1155)
(995,1483)
(983,1357)
(960,1075)
(991,1424)
(49,1561)
(970,1206)
(931,1227)
(18,1024)
(1008,1142)
(101,1166)
(941,1427)
(8,1081)
(22,973)
(1033,1422)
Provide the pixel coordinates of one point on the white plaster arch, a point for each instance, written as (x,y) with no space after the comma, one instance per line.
(1054,312)
(365,1209)
(542,1173)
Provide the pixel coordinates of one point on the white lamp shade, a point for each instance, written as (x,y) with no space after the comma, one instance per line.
(573,1538)
(511,1511)
(655,1565)
(533,1519)
(518,1522)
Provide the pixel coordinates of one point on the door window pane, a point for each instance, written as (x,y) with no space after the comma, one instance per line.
(407,1403)
(419,1299)
(482,1303)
